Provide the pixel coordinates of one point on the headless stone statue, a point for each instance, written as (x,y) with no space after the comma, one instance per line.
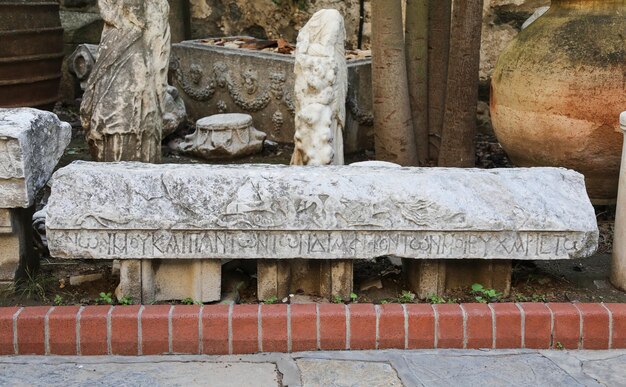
(320,90)
(125,96)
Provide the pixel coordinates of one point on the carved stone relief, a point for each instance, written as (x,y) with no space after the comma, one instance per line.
(330,212)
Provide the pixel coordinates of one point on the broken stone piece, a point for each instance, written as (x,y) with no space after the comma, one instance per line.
(371,283)
(31,143)
(222,136)
(174,112)
(76,280)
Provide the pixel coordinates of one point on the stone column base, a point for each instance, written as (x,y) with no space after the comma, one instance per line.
(150,280)
(328,278)
(434,277)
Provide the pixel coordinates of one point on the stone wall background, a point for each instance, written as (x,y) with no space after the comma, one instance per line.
(283,18)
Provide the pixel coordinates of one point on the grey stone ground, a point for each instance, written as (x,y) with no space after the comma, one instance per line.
(365,368)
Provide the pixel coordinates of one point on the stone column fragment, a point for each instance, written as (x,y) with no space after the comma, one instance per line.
(618,268)
(320,90)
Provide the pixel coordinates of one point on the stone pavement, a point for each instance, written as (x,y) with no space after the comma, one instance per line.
(356,368)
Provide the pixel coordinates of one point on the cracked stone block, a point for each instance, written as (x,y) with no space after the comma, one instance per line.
(31,143)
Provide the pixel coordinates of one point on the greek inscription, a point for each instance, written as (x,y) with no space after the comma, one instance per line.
(318,244)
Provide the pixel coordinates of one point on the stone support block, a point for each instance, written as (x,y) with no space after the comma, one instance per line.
(9,256)
(426,278)
(17,255)
(273,278)
(31,143)
(322,277)
(149,281)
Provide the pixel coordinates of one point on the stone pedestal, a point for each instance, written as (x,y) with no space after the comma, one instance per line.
(222,136)
(147,281)
(330,279)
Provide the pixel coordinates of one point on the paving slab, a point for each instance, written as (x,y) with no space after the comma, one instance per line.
(356,368)
(317,372)
(139,374)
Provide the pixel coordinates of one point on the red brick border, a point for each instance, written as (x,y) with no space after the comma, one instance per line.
(238,329)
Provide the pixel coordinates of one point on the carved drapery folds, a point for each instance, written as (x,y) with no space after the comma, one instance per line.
(124,101)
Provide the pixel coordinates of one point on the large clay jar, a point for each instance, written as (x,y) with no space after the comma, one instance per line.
(31,53)
(558,89)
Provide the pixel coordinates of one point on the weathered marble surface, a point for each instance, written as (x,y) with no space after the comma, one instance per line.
(320,90)
(134,210)
(222,136)
(123,104)
(31,143)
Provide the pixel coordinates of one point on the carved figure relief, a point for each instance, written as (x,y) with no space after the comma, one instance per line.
(122,106)
(250,81)
(320,90)
(221,106)
(277,85)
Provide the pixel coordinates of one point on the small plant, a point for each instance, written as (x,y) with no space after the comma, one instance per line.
(125,301)
(105,298)
(271,300)
(559,346)
(485,295)
(539,297)
(354,297)
(406,297)
(58,300)
(33,286)
(384,301)
(338,299)
(435,299)
(518,297)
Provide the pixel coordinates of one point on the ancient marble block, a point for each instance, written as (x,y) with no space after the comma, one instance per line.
(31,143)
(143,211)
(215,79)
